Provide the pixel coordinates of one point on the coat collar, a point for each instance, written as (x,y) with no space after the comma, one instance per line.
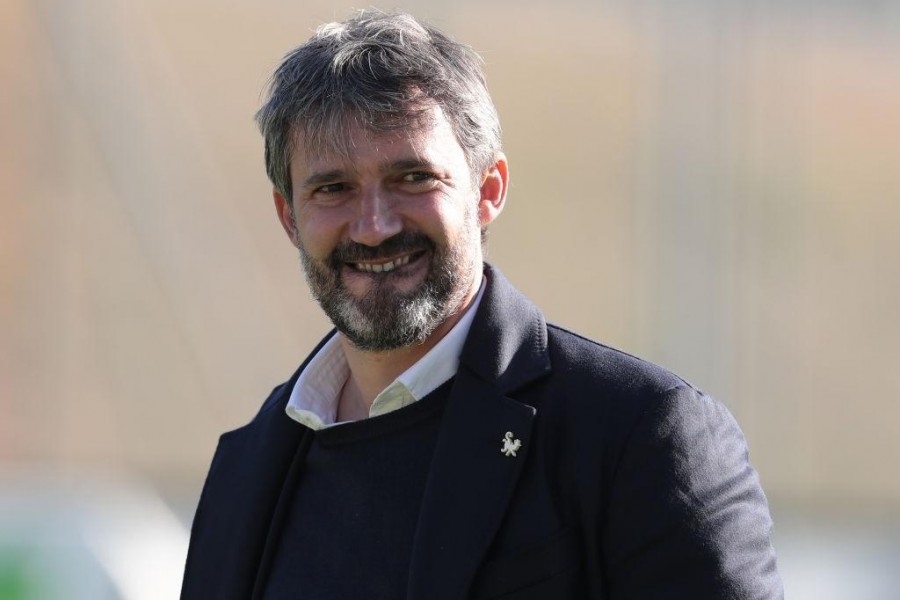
(507,344)
(469,485)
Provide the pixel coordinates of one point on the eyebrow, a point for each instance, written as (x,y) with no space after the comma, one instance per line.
(324,177)
(409,164)
(332,175)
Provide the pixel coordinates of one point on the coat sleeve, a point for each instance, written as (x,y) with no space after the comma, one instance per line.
(687,517)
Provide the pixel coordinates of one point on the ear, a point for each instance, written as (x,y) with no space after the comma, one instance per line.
(494,184)
(286,216)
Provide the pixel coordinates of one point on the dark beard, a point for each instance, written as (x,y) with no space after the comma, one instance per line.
(385,319)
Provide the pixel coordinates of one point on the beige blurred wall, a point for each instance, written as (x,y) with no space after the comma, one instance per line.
(712,186)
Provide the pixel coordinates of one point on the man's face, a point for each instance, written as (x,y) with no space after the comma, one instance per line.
(389,236)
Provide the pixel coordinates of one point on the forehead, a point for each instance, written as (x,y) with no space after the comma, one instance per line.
(428,138)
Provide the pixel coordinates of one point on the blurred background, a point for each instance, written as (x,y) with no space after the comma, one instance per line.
(712,185)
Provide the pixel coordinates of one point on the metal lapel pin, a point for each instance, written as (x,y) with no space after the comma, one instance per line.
(510,445)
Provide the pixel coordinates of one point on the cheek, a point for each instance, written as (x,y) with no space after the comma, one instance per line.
(319,232)
(445,217)
(465,224)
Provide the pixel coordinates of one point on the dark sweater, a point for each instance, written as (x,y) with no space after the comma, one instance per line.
(350,529)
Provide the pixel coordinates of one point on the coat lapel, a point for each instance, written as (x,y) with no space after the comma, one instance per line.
(471,479)
(233,534)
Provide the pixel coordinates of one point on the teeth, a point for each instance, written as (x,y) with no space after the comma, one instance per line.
(383,267)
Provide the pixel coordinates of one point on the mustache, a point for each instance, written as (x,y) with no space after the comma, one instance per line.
(405,242)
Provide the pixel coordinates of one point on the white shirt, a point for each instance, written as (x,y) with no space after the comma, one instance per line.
(314,399)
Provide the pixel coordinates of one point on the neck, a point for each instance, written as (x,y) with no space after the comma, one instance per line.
(372,372)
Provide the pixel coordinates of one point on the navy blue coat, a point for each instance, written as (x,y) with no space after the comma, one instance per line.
(629,482)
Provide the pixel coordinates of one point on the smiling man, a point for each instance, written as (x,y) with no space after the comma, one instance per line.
(389,236)
(444,441)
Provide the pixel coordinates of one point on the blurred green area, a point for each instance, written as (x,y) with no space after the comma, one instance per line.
(15,583)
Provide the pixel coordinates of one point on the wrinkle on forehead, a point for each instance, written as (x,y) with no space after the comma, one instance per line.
(337,135)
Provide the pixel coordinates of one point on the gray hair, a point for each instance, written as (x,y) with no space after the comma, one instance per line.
(383,71)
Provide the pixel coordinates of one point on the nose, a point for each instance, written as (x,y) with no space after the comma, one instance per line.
(375,220)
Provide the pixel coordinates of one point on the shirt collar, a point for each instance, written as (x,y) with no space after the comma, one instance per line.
(314,399)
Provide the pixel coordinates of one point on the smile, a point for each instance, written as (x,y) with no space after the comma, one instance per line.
(384,267)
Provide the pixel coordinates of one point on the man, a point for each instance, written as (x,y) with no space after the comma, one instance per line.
(444,441)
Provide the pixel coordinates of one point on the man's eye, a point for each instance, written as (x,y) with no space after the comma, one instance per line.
(418,177)
(330,188)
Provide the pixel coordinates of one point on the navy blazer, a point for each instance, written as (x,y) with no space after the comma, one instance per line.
(629,482)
